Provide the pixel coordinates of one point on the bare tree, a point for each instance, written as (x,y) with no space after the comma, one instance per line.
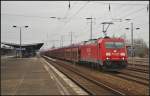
(140,48)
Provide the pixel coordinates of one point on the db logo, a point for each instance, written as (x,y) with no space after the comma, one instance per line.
(88,50)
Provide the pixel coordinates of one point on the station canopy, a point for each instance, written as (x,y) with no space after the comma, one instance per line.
(35,46)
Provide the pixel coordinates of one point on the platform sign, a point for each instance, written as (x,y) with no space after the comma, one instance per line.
(20,49)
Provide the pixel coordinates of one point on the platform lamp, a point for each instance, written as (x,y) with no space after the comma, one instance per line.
(20,37)
(132,36)
(132,29)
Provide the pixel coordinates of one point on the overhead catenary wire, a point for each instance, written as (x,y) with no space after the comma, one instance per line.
(41,17)
(132,12)
(100,2)
(76,13)
(129,14)
(120,3)
(49,3)
(70,18)
(29,16)
(139,10)
(69,10)
(36,16)
(135,12)
(110,13)
(48,18)
(117,4)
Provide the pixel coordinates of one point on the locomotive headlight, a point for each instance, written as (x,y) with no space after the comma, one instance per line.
(122,54)
(108,54)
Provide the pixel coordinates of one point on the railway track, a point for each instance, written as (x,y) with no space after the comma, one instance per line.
(139,65)
(139,61)
(143,76)
(131,77)
(137,77)
(138,69)
(143,61)
(91,86)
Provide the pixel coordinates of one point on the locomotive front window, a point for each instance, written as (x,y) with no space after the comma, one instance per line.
(114,45)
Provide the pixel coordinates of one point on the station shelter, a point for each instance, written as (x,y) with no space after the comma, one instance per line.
(27,50)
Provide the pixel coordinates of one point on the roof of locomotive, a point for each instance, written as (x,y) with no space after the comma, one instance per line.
(93,41)
(110,39)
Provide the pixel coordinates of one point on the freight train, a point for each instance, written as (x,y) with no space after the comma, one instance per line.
(107,53)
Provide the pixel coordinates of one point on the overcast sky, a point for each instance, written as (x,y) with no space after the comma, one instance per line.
(42,28)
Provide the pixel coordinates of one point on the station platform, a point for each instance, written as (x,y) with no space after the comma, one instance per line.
(32,76)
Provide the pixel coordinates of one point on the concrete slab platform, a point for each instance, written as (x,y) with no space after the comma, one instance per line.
(29,76)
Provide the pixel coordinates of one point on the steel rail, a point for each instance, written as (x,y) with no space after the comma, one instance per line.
(94,81)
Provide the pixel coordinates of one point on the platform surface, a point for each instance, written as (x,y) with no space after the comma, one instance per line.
(28,76)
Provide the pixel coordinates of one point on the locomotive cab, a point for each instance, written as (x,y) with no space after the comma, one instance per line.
(113,54)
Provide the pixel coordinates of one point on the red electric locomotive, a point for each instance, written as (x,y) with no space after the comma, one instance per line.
(109,53)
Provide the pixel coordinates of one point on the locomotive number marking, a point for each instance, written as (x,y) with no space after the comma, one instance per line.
(116,54)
